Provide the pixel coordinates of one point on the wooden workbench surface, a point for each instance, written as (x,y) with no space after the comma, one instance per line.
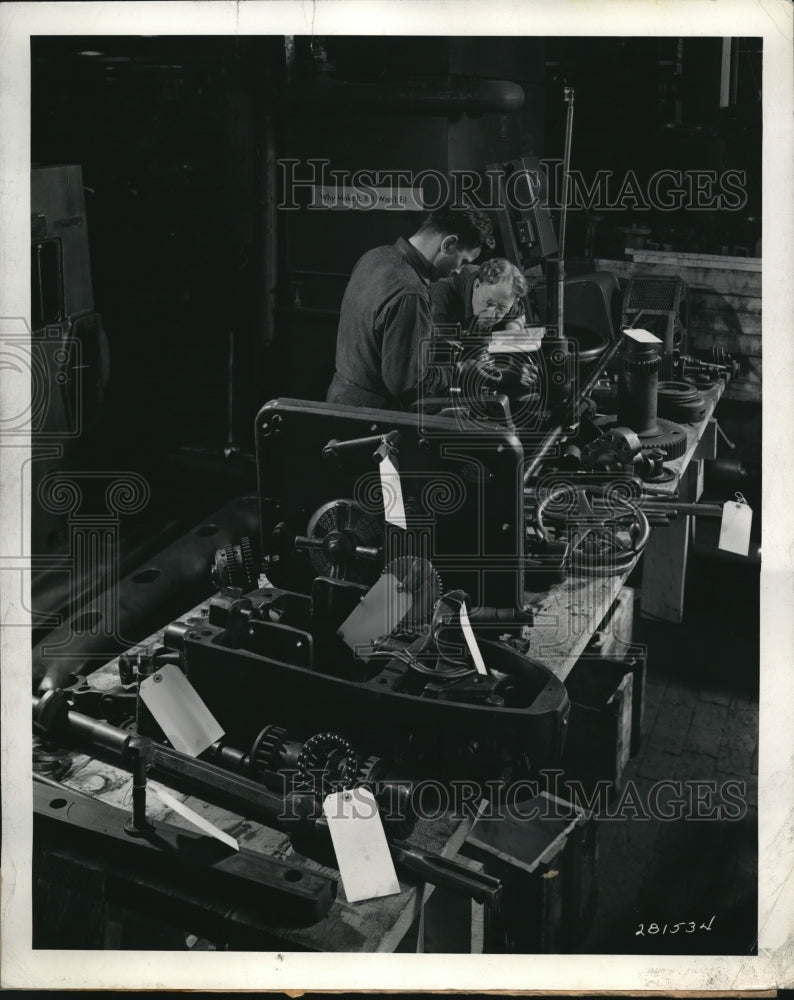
(568,614)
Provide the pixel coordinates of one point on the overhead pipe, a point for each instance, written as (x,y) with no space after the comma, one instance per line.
(442,95)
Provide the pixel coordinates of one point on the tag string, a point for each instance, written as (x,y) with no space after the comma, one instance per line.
(740,497)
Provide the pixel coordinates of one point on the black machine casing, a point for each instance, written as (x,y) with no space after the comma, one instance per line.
(462,487)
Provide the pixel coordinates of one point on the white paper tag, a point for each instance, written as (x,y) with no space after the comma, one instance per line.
(471,641)
(378,613)
(179,712)
(393,506)
(192,817)
(737,519)
(362,853)
(642,336)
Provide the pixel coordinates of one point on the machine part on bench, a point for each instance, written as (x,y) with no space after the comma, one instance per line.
(671,439)
(267,749)
(637,386)
(668,437)
(649,465)
(343,542)
(718,364)
(680,401)
(420,578)
(616,448)
(237,566)
(605,537)
(327,763)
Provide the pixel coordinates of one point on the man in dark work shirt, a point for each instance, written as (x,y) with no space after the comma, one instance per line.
(386,311)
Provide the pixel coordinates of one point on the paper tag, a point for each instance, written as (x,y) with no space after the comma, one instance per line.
(179,712)
(471,641)
(737,519)
(643,336)
(362,853)
(192,817)
(378,613)
(516,341)
(393,506)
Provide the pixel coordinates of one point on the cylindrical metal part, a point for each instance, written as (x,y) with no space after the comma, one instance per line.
(139,750)
(638,387)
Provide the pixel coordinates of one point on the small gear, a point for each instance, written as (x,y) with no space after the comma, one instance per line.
(236,566)
(265,753)
(422,580)
(250,561)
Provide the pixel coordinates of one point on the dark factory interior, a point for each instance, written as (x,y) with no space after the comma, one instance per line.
(177,172)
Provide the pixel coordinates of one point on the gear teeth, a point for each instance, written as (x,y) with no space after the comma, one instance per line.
(316,755)
(368,771)
(425,598)
(266,749)
(250,562)
(672,440)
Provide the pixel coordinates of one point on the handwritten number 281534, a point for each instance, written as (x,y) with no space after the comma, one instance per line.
(683,927)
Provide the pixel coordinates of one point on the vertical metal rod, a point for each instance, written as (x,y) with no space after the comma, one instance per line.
(568,96)
(230,446)
(139,748)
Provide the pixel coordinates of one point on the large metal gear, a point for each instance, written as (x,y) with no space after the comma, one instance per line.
(327,763)
(671,439)
(343,542)
(420,578)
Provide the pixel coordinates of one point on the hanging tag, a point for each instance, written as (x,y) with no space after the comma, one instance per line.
(642,336)
(737,519)
(192,817)
(393,506)
(179,712)
(378,613)
(362,853)
(471,641)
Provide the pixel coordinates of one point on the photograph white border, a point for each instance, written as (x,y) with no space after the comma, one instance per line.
(20,966)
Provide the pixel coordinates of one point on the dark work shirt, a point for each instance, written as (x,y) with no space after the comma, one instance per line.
(385,316)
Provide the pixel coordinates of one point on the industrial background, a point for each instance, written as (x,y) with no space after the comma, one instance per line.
(204,300)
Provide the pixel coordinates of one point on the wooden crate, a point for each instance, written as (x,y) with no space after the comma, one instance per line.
(613,640)
(598,743)
(548,867)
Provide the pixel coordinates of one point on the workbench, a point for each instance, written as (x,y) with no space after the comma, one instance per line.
(566,618)
(567,615)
